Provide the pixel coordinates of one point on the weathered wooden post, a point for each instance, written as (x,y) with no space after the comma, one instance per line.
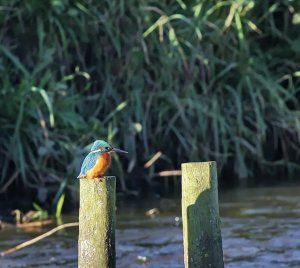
(200,216)
(96,244)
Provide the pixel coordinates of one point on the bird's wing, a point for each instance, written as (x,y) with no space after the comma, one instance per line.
(88,163)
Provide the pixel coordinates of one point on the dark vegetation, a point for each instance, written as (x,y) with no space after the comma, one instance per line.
(196,80)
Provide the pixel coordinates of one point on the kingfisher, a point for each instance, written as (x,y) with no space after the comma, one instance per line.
(98,160)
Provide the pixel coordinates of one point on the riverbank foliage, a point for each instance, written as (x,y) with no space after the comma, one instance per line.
(214,80)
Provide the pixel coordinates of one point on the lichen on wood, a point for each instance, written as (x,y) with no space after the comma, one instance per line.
(96,243)
(200,216)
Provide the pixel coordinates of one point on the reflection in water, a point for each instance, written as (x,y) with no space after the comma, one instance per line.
(260,228)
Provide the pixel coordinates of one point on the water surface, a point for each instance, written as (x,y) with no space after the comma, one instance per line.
(260,228)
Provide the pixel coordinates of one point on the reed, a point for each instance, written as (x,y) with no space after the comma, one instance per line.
(219,79)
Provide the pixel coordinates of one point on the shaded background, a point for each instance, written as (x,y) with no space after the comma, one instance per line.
(195,81)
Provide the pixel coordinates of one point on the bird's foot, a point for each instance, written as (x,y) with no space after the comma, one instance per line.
(100,178)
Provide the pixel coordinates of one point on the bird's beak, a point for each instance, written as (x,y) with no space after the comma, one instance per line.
(118,151)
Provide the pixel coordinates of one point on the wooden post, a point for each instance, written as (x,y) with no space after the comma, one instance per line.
(200,216)
(96,244)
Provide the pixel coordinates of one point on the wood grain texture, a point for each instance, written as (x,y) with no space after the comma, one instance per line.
(200,216)
(96,243)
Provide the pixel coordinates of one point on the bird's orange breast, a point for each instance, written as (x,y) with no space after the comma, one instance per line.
(102,164)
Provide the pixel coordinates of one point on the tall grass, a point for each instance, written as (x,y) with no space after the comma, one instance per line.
(215,80)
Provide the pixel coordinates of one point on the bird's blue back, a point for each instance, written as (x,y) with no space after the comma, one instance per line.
(88,163)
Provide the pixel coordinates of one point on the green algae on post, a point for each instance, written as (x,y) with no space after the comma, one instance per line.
(96,243)
(200,216)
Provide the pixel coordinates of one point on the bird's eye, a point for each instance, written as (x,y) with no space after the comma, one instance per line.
(107,148)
